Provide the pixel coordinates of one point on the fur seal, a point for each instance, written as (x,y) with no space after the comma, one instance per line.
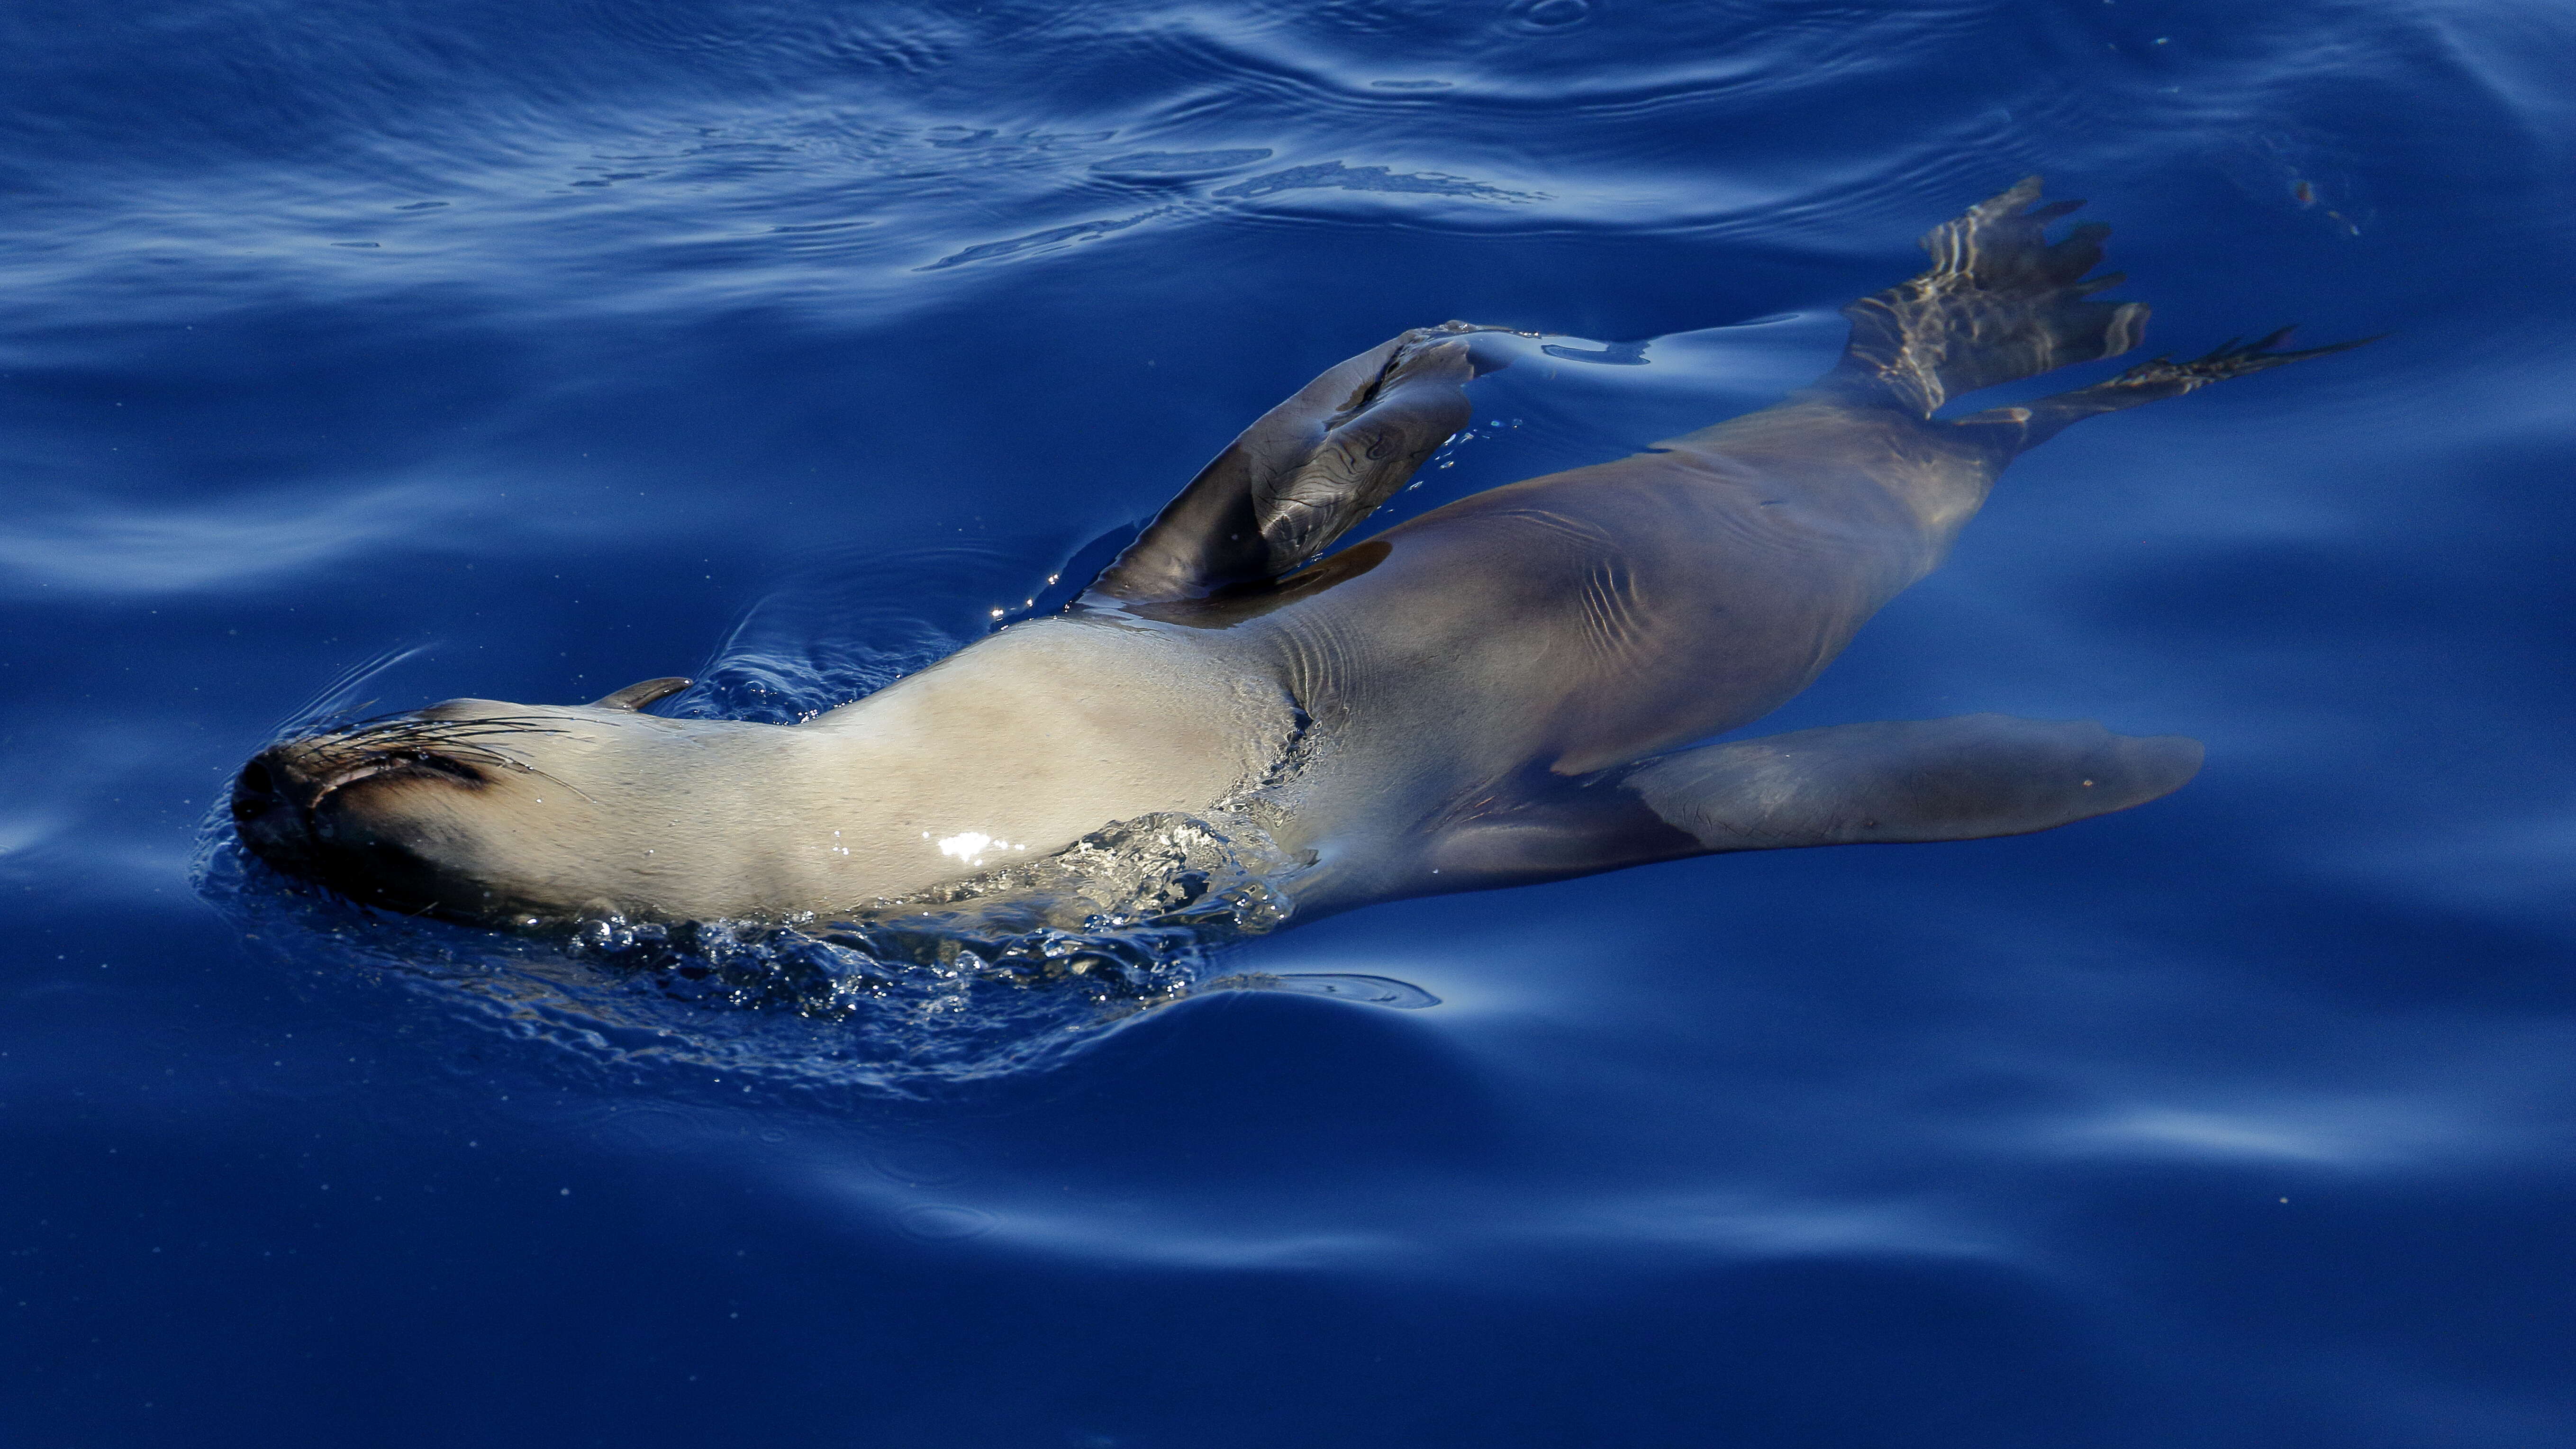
(1509,688)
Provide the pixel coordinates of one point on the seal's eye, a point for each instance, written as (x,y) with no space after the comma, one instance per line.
(442,765)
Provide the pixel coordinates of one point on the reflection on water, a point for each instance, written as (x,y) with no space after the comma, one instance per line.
(898,1004)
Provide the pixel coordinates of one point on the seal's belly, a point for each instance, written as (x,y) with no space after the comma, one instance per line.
(1028,741)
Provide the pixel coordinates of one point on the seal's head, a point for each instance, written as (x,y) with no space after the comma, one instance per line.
(507,814)
(412,813)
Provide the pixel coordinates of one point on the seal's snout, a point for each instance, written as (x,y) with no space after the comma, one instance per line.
(273,801)
(342,811)
(293,802)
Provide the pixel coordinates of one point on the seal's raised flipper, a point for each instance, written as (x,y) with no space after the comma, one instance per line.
(1307,471)
(2031,425)
(1893,781)
(2000,302)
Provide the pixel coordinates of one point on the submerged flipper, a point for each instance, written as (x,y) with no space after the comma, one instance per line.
(2000,302)
(1894,781)
(1307,471)
(2029,426)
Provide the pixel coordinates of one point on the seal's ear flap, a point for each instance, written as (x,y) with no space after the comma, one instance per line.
(1898,780)
(636,696)
(1307,471)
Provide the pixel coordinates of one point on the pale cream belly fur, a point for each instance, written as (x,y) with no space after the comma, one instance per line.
(1004,752)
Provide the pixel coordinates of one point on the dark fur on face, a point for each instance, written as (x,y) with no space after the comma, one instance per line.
(288,801)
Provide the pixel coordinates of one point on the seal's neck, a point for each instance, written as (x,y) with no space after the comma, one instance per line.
(1007,751)
(1027,741)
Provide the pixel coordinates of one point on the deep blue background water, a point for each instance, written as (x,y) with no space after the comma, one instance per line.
(587,340)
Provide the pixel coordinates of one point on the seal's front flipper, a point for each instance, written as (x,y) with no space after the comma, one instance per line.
(1899,780)
(1307,471)
(1909,780)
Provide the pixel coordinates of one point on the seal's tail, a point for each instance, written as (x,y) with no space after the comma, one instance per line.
(2001,302)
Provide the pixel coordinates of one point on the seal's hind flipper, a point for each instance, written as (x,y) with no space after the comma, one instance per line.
(1893,781)
(2000,302)
(1307,471)
(2145,383)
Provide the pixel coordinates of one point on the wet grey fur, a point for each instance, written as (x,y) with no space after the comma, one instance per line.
(1509,684)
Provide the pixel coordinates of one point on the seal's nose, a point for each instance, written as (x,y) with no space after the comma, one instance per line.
(272,806)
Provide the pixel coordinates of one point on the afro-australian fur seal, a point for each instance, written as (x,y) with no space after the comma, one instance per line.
(1505,689)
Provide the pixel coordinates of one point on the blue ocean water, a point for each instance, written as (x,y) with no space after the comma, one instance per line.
(398,351)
